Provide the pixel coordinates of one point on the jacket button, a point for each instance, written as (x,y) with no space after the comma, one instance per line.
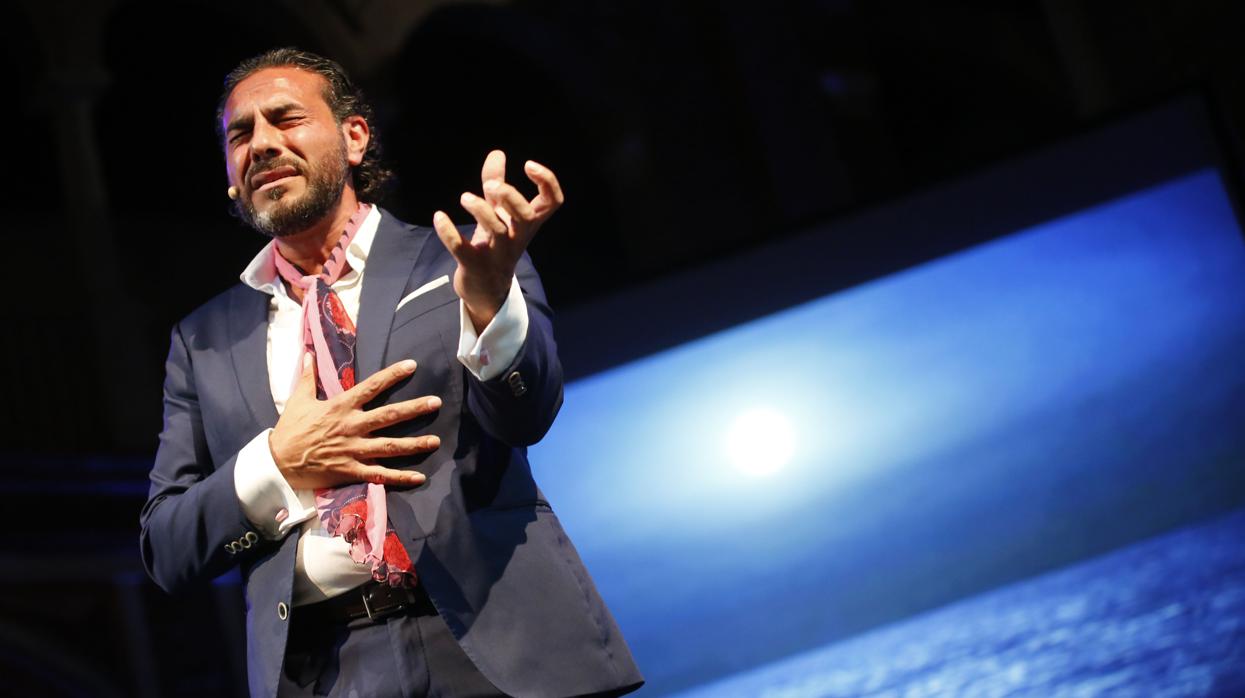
(283,611)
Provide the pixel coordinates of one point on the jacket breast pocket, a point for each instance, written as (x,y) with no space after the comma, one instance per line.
(423,304)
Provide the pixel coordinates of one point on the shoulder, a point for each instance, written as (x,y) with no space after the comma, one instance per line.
(392,226)
(214,313)
(417,243)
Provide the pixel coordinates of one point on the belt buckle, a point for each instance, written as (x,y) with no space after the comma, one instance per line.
(381,610)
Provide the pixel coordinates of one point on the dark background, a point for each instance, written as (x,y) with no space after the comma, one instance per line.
(683,132)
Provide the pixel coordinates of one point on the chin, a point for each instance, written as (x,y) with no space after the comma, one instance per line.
(290,214)
(274,203)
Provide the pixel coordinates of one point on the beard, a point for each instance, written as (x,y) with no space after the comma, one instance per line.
(287,216)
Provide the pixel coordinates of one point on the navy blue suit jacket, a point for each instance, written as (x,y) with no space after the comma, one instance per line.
(487,547)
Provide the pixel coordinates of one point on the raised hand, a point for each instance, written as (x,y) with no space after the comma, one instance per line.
(505,224)
(324,443)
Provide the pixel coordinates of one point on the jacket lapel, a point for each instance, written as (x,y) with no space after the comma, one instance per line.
(390,264)
(248,340)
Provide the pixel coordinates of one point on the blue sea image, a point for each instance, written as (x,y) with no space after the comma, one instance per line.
(930,484)
(1160,619)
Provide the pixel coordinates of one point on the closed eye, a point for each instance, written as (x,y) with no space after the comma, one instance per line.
(282,115)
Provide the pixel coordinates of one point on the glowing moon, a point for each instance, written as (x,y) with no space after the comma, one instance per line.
(760,441)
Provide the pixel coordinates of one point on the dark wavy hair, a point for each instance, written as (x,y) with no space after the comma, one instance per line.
(371,178)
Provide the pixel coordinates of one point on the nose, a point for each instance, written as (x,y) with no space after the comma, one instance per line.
(265,140)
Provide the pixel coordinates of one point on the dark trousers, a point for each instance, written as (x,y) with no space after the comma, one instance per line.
(412,654)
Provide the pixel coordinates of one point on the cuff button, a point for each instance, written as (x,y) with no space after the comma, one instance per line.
(283,611)
(517,386)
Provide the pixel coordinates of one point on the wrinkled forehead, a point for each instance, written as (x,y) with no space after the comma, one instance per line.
(271,87)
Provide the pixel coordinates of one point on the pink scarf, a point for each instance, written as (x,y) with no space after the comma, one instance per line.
(357,511)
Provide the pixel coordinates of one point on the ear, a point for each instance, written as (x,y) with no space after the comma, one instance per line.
(357,135)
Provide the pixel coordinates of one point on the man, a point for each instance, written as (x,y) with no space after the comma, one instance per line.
(348,425)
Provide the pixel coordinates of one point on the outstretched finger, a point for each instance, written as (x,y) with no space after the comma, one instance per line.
(494,167)
(450,237)
(376,383)
(388,415)
(383,447)
(550,196)
(380,475)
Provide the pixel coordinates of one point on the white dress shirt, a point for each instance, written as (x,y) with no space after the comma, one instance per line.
(323,567)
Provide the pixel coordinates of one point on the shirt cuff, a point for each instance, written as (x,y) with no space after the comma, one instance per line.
(267,499)
(489,353)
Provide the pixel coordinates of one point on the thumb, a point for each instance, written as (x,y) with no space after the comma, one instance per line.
(306,386)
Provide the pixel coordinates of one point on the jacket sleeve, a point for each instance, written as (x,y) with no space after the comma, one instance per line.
(518,406)
(192,527)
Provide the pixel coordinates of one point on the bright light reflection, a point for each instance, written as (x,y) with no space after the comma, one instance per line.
(760,441)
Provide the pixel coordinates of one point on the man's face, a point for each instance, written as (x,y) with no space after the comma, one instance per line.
(284,151)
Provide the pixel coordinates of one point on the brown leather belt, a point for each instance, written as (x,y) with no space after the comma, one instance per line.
(374,601)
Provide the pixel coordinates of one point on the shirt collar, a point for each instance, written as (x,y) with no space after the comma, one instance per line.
(261,273)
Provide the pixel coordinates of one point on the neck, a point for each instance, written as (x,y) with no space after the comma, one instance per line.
(310,248)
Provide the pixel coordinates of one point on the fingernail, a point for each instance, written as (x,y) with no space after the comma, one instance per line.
(434,403)
(407,365)
(491,185)
(533,165)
